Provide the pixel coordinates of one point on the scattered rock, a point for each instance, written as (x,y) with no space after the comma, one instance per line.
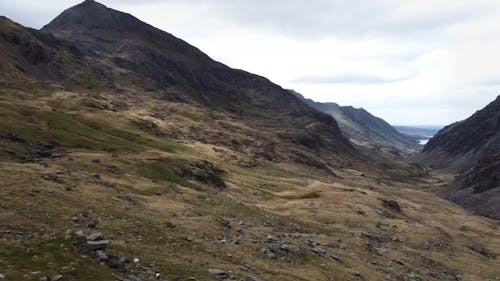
(242,268)
(97,180)
(391,204)
(57,278)
(95,236)
(218,273)
(97,245)
(132,277)
(80,234)
(51,177)
(224,222)
(117,263)
(271,239)
(335,258)
(483,251)
(318,251)
(169,225)
(113,169)
(253,278)
(2,276)
(101,255)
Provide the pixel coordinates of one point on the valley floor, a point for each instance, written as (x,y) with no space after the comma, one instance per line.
(183,210)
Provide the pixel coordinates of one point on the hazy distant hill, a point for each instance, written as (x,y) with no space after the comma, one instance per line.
(365,129)
(418,132)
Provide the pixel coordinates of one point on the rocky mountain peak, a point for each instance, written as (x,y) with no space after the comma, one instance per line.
(91,16)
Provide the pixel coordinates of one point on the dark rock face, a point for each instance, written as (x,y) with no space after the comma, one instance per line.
(481,131)
(471,146)
(32,53)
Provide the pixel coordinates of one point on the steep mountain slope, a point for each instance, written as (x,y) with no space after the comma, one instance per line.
(117,52)
(27,53)
(365,129)
(473,147)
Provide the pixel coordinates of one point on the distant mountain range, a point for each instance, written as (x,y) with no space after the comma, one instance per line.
(366,130)
(418,132)
(471,146)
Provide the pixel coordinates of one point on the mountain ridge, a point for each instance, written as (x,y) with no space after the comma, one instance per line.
(365,129)
(472,147)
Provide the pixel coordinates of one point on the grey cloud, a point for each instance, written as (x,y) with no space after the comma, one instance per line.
(490,82)
(349,78)
(320,18)
(297,18)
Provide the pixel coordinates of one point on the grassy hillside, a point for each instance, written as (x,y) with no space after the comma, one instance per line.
(171,185)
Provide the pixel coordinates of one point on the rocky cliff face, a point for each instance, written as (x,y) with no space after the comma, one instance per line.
(471,146)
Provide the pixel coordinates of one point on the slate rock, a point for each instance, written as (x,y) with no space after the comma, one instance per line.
(218,273)
(95,236)
(97,245)
(101,255)
(391,204)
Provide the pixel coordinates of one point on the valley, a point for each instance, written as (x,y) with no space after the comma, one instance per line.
(128,154)
(271,221)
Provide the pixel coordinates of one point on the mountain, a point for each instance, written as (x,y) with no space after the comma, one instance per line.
(366,130)
(471,146)
(128,154)
(92,46)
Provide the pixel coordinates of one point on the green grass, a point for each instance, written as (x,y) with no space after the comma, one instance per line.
(161,170)
(49,258)
(68,131)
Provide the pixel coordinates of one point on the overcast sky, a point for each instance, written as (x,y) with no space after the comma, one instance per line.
(410,62)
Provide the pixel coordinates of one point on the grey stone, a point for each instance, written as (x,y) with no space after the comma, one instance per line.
(218,273)
(391,204)
(318,251)
(97,245)
(95,236)
(132,277)
(271,239)
(80,234)
(117,263)
(57,278)
(101,255)
(253,278)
